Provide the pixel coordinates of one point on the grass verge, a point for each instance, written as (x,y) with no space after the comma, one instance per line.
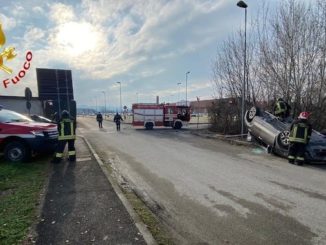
(159,233)
(20,185)
(149,219)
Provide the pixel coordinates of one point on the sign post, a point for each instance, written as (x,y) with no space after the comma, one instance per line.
(197,112)
(28,97)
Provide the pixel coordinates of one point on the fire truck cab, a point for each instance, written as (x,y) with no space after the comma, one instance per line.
(151,115)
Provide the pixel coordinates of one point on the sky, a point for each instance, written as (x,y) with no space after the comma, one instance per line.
(146,45)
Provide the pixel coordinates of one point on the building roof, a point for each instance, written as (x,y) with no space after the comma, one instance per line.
(202,103)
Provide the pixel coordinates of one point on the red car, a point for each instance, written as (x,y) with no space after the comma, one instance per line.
(20,136)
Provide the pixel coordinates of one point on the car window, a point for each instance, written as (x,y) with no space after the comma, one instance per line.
(10,116)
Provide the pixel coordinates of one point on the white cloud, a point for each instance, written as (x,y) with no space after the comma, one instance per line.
(76,38)
(99,11)
(188,48)
(38,10)
(7,22)
(61,13)
(207,6)
(102,40)
(110,38)
(18,11)
(150,73)
(33,34)
(137,31)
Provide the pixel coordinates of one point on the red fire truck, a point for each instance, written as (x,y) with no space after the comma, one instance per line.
(151,115)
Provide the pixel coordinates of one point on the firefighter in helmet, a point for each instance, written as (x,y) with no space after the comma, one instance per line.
(300,133)
(117,119)
(67,134)
(99,119)
(282,109)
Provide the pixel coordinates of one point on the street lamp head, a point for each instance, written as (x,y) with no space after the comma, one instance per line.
(179,83)
(119,82)
(188,72)
(242,4)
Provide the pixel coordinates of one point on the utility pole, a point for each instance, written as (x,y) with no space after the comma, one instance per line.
(187,87)
(242,4)
(104,101)
(120,98)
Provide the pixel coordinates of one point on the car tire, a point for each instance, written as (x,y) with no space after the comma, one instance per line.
(149,126)
(252,112)
(17,151)
(177,125)
(283,139)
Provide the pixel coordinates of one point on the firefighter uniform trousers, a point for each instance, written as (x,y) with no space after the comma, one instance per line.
(67,134)
(71,149)
(296,152)
(299,137)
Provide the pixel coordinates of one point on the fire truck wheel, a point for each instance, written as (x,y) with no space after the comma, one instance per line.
(149,125)
(17,151)
(177,125)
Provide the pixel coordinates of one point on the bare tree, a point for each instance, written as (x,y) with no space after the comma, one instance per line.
(286,58)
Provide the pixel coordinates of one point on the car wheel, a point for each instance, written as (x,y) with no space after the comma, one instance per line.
(253,111)
(17,152)
(177,125)
(149,126)
(283,139)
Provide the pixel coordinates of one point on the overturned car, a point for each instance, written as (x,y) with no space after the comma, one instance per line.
(270,131)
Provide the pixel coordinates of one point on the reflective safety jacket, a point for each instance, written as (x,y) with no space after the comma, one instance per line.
(300,132)
(67,129)
(280,107)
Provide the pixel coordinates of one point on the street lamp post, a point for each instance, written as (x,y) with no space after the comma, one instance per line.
(242,4)
(120,98)
(179,91)
(104,102)
(187,87)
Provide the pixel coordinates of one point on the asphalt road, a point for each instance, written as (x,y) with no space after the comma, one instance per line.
(210,192)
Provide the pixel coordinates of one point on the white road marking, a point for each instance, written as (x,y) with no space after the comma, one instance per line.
(83,159)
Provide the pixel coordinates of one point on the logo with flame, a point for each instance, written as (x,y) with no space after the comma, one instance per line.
(7,54)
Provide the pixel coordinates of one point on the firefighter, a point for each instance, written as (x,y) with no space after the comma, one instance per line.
(67,134)
(300,133)
(117,119)
(99,119)
(281,109)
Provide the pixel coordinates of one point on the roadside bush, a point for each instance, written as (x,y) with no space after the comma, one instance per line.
(224,116)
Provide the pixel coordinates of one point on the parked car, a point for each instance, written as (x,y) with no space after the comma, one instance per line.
(271,131)
(20,136)
(38,118)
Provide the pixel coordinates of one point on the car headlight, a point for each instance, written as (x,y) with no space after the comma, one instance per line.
(38,133)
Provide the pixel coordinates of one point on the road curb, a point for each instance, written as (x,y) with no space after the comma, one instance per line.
(138,222)
(223,138)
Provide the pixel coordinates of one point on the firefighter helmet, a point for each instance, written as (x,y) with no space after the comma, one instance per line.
(65,114)
(304,115)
